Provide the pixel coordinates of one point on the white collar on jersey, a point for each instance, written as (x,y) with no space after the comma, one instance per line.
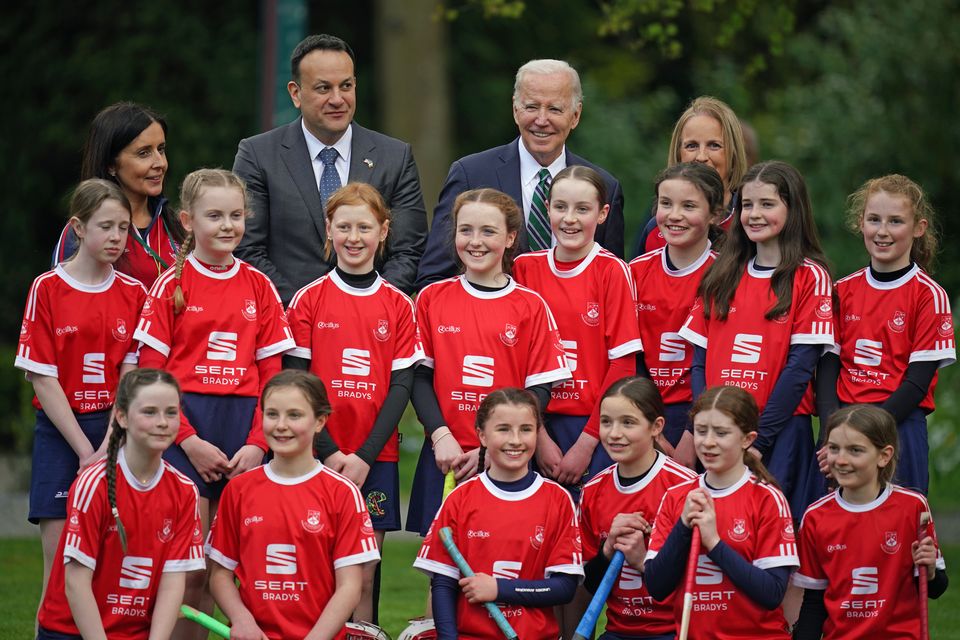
(511,496)
(722,493)
(216,275)
(639,486)
(346,288)
(690,268)
(487,295)
(100,287)
(861,508)
(272,475)
(132,479)
(893,284)
(577,270)
(758,273)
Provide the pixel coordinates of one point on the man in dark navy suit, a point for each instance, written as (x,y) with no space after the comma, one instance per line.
(547,102)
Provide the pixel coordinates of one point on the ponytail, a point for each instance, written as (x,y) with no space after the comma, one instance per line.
(179,301)
(117,437)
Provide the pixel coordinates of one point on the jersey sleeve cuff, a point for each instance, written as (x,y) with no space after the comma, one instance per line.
(72,553)
(943,357)
(222,560)
(772,562)
(301,352)
(693,337)
(651,554)
(825,339)
(174,566)
(357,558)
(427,362)
(625,349)
(569,569)
(152,342)
(131,358)
(404,363)
(26,364)
(807,582)
(430,567)
(547,377)
(276,348)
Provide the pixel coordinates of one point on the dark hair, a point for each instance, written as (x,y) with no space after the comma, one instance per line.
(512,217)
(585,173)
(127,391)
(798,241)
(505,395)
(110,132)
(641,392)
(323,42)
(877,425)
(742,409)
(923,251)
(309,384)
(706,179)
(90,194)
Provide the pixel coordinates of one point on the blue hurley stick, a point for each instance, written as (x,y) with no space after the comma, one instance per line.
(446,537)
(589,619)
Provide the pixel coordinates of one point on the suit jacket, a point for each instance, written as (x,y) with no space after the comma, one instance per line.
(285,235)
(499,168)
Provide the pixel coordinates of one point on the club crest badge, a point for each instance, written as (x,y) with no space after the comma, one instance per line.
(249,310)
(382,332)
(825,308)
(898,322)
(890,544)
(120,332)
(592,317)
(788,533)
(509,335)
(24,331)
(739,531)
(313,524)
(74,521)
(147,307)
(197,535)
(536,540)
(165,534)
(367,527)
(945,328)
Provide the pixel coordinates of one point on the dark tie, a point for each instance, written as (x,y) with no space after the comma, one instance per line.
(329,179)
(538,224)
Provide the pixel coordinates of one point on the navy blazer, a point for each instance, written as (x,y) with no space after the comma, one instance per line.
(285,235)
(499,168)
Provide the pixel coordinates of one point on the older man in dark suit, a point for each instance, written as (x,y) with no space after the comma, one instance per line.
(291,171)
(547,102)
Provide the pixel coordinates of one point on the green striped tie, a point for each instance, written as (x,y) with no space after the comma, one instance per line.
(538,224)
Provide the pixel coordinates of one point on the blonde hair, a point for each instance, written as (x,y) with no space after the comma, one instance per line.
(357,194)
(733,144)
(924,249)
(190,191)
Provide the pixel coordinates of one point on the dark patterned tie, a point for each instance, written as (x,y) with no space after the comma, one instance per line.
(538,224)
(329,179)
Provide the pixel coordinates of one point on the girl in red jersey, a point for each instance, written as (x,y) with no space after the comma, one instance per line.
(356,331)
(765,309)
(134,527)
(859,548)
(75,343)
(618,506)
(590,291)
(747,541)
(894,326)
(708,132)
(295,534)
(689,199)
(517,531)
(218,325)
(480,331)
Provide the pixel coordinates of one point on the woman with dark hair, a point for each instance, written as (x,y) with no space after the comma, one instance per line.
(127,145)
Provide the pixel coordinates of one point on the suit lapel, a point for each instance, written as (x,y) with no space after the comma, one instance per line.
(363,156)
(297,160)
(508,175)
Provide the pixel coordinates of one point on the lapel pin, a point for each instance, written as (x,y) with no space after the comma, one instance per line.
(368,162)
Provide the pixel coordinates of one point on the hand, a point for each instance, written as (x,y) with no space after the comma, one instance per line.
(446,450)
(247,457)
(92,457)
(685,453)
(705,518)
(822,461)
(925,555)
(479,588)
(209,461)
(574,464)
(548,454)
(466,465)
(246,629)
(355,469)
(628,533)
(335,461)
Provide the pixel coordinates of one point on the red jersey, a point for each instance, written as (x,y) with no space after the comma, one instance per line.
(80,334)
(162,522)
(516,535)
(593,304)
(860,555)
(631,610)
(284,538)
(231,320)
(884,326)
(664,299)
(361,337)
(479,341)
(747,350)
(754,519)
